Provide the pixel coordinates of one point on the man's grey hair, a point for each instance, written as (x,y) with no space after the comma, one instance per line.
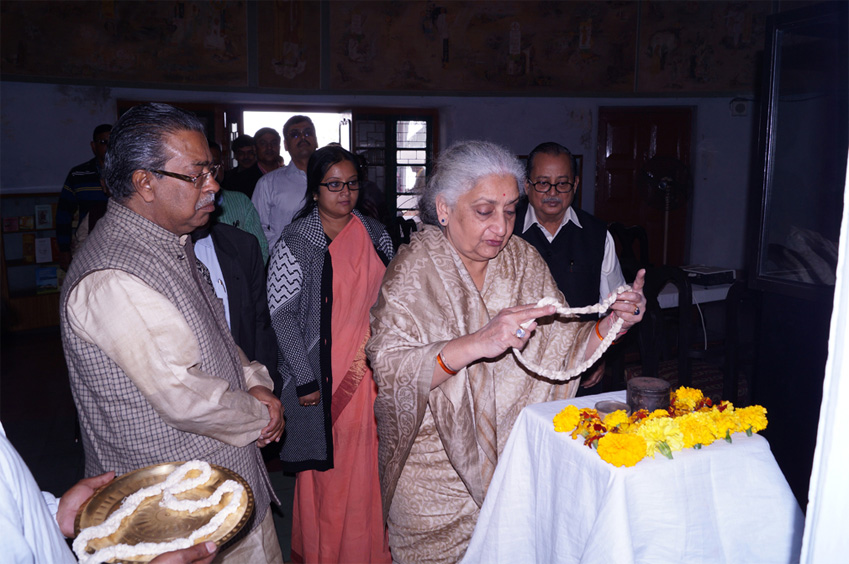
(460,168)
(137,142)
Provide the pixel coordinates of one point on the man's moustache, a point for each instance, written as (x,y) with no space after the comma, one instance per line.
(551,201)
(205,201)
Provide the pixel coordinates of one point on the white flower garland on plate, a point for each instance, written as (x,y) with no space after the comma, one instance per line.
(563,375)
(175,483)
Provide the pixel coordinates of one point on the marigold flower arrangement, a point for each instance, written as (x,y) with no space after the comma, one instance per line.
(691,421)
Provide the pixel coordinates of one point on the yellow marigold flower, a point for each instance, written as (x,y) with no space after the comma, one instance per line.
(661,433)
(687,398)
(696,429)
(567,419)
(621,449)
(724,423)
(616,418)
(751,418)
(658,413)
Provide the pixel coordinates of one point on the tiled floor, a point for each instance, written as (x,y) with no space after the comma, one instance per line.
(38,413)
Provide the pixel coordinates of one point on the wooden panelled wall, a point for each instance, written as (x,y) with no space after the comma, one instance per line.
(500,47)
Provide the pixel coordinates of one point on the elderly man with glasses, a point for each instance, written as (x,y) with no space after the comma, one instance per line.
(280,194)
(154,371)
(576,246)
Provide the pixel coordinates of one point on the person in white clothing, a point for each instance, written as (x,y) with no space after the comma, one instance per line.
(34,523)
(280,194)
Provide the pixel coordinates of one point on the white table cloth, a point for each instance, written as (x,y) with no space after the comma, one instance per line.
(552,499)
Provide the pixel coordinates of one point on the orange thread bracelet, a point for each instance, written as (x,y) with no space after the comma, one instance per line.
(597,332)
(445,366)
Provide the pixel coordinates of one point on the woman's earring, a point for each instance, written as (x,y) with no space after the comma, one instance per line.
(442,221)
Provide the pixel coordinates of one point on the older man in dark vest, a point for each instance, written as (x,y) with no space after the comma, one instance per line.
(155,374)
(576,246)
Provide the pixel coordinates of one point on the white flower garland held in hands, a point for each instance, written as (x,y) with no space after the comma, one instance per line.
(615,327)
(176,482)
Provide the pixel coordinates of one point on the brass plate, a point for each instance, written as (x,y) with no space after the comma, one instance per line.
(152,523)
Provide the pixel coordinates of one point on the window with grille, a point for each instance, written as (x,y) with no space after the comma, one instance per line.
(399,153)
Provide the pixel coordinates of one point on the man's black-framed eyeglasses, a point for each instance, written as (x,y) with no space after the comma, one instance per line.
(563,186)
(197,180)
(337,185)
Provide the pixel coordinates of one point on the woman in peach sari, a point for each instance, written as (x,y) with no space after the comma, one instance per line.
(324,275)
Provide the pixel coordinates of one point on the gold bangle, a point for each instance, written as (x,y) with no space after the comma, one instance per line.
(597,332)
(444,366)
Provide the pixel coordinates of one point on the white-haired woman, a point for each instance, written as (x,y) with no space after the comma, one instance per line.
(452,305)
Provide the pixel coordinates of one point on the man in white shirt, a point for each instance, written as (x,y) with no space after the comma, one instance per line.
(279,195)
(576,246)
(35,523)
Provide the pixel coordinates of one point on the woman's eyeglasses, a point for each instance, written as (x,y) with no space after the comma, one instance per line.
(336,185)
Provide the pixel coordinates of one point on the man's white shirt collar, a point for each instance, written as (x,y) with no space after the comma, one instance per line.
(531,218)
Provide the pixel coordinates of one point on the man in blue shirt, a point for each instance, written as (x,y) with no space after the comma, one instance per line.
(82,192)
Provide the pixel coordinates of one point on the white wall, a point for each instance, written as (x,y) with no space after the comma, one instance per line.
(46,129)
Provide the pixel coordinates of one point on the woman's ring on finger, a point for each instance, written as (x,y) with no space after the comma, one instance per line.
(520,332)
(637,310)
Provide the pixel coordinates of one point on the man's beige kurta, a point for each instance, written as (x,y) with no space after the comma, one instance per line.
(439,448)
(154,371)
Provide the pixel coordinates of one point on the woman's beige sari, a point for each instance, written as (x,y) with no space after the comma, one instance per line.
(438,449)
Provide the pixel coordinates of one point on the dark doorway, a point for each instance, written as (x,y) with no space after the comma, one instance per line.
(629,141)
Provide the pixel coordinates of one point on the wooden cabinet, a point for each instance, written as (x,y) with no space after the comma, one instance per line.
(29,273)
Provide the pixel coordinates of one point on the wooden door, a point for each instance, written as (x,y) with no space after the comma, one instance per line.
(627,139)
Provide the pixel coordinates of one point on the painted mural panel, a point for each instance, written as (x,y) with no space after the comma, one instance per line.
(691,47)
(170,42)
(289,44)
(532,47)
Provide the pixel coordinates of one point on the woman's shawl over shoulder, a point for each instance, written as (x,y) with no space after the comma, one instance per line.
(298,284)
(427,299)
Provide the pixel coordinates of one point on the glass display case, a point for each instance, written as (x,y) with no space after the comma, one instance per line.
(803,140)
